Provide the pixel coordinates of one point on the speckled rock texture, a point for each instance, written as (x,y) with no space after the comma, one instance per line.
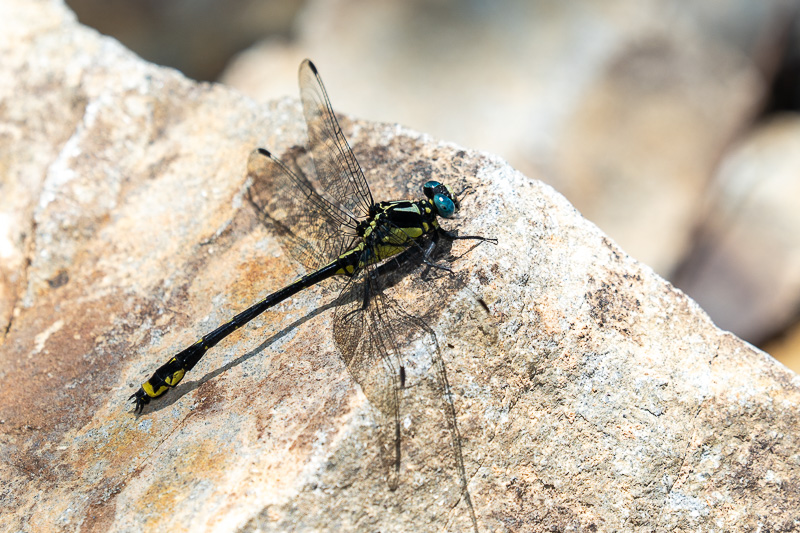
(590,394)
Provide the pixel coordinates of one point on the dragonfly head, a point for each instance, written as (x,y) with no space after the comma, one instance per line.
(443,198)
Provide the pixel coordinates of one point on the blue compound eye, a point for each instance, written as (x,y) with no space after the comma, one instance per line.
(444,205)
(430,188)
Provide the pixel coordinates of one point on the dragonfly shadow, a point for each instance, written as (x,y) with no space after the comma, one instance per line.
(187,387)
(391,272)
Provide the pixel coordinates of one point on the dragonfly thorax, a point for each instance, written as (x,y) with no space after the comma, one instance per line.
(390,229)
(399,222)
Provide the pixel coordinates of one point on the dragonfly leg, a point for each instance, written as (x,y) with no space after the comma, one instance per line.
(426,256)
(455,237)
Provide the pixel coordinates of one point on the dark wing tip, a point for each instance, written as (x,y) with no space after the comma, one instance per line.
(265,152)
(311,66)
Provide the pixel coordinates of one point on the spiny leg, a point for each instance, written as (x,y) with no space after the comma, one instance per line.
(429,250)
(455,237)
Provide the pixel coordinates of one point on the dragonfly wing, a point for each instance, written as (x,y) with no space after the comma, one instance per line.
(314,230)
(374,333)
(369,353)
(338,172)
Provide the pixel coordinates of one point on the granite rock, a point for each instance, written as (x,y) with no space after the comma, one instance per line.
(590,393)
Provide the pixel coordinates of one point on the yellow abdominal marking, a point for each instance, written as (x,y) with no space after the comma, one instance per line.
(148,389)
(171,381)
(175,378)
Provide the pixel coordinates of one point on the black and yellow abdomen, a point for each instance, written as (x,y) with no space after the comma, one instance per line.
(391,229)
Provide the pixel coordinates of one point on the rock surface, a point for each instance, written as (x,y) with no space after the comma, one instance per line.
(626,108)
(591,394)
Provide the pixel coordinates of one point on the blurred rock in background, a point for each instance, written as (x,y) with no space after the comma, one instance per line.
(672,126)
(744,269)
(197,37)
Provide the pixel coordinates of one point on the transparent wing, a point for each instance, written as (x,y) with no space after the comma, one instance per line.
(314,230)
(339,174)
(371,356)
(374,334)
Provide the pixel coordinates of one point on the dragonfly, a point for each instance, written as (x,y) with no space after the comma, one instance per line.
(332,226)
